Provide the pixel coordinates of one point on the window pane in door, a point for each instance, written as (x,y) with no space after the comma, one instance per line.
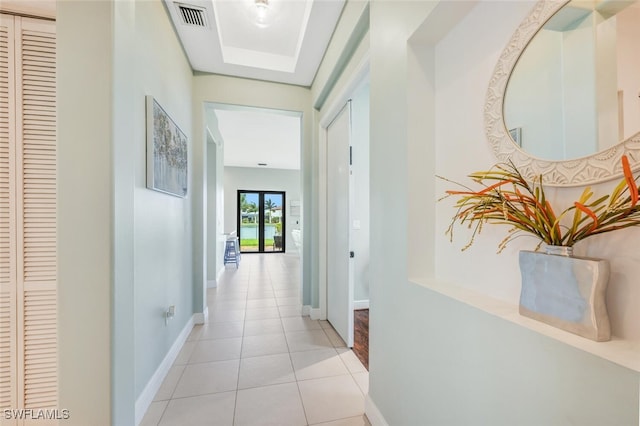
(249,221)
(273,222)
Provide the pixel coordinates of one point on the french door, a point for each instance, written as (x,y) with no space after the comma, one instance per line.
(261,221)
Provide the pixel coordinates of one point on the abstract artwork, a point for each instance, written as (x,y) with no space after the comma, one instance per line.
(167,160)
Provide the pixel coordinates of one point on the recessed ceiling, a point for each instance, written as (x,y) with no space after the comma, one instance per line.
(275,40)
(253,136)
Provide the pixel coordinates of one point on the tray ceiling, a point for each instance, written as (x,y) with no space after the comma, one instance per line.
(275,40)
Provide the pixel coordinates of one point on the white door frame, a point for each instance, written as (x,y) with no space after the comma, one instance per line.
(360,75)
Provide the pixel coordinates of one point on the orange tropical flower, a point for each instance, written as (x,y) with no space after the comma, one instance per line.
(508,198)
(631,182)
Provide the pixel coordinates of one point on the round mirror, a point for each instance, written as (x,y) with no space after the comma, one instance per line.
(574,90)
(564,98)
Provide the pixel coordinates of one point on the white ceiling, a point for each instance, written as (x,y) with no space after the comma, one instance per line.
(287,46)
(251,136)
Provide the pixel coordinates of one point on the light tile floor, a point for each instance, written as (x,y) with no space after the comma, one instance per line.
(258,361)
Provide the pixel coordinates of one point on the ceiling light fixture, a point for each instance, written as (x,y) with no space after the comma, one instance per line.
(262,12)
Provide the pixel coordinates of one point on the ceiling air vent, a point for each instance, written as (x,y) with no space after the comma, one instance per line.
(192,15)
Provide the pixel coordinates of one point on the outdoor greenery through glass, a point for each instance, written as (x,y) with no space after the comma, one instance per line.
(249,217)
(507,198)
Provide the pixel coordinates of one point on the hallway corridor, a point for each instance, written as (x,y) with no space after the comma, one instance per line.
(258,361)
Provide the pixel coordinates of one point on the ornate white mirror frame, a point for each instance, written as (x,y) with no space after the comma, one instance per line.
(595,168)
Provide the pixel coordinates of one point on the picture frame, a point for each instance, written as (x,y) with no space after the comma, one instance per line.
(516,135)
(167,152)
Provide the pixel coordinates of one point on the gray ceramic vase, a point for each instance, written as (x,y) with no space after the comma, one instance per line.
(566,292)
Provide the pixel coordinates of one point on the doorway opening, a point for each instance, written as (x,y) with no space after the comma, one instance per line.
(257,149)
(261,221)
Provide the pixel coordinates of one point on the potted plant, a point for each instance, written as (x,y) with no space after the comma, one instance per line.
(562,290)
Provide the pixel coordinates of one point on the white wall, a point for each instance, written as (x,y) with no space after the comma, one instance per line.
(85,215)
(252,178)
(628,66)
(216,239)
(467,365)
(133,244)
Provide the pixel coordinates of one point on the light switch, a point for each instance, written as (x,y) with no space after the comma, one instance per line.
(356,224)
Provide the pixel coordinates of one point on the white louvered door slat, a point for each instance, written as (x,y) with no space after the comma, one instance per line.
(28,288)
(8,301)
(36,219)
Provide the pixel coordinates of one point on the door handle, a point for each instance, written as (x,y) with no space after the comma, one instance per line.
(352,254)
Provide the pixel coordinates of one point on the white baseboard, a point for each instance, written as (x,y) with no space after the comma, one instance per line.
(373,414)
(361,304)
(201,317)
(306,310)
(146,397)
(212,283)
(315,314)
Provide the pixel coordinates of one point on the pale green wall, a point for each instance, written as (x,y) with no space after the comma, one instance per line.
(125,251)
(459,365)
(435,360)
(123,311)
(162,223)
(343,53)
(360,189)
(347,52)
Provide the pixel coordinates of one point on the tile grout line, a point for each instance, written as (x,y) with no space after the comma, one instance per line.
(295,375)
(351,373)
(304,409)
(244,322)
(164,410)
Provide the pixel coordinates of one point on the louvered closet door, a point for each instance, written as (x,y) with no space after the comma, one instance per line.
(36,214)
(8,315)
(28,295)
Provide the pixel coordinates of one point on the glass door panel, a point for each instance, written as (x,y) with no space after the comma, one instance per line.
(273,223)
(249,221)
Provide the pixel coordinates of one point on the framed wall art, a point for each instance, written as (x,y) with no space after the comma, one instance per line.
(516,135)
(167,156)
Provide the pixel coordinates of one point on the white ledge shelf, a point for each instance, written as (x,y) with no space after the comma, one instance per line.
(622,352)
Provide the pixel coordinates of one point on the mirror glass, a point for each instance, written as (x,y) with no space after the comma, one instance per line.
(575,90)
